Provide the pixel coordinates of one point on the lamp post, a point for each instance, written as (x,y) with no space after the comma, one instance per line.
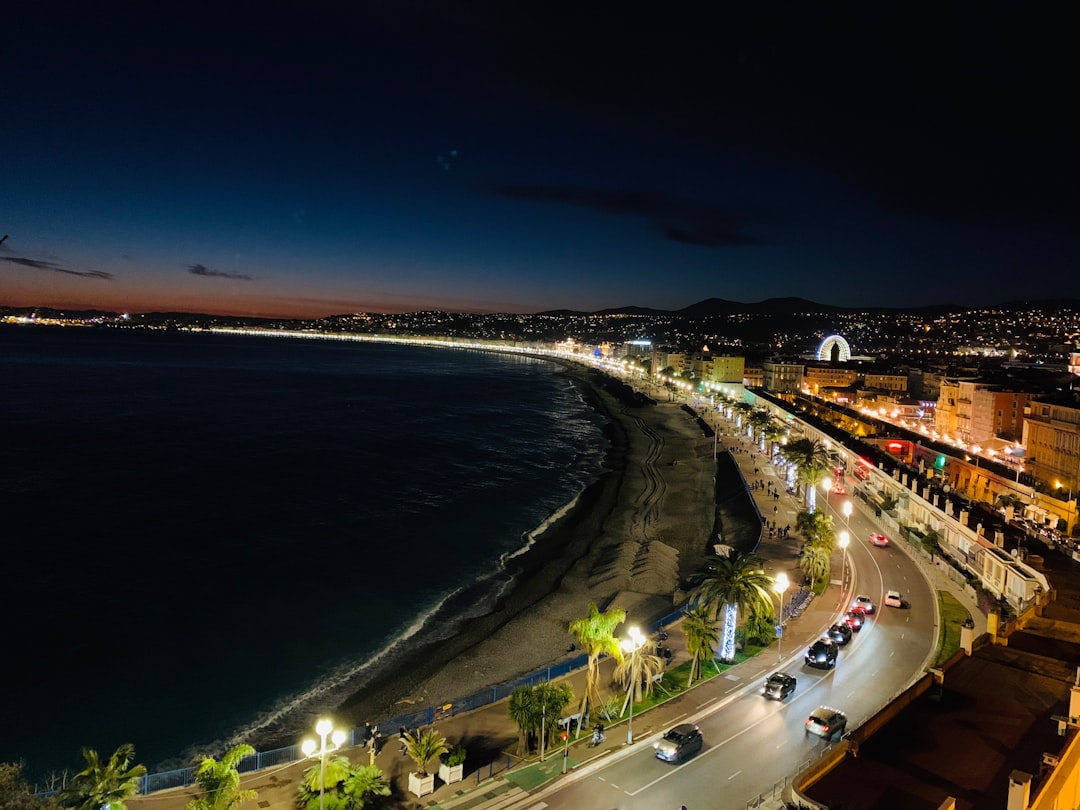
(846,509)
(324,728)
(780,586)
(631,646)
(845,539)
(827,483)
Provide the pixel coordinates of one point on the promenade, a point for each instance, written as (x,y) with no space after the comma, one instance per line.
(497,778)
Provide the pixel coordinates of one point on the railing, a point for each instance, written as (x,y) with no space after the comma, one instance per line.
(183,777)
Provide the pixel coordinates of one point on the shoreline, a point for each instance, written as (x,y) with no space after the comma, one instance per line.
(614,546)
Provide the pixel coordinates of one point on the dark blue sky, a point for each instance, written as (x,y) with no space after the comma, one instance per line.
(329,157)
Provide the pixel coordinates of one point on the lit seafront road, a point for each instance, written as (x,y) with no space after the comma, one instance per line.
(752,744)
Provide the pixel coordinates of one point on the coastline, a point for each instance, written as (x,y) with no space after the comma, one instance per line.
(631,539)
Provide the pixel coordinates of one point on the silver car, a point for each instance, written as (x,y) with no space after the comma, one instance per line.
(826,722)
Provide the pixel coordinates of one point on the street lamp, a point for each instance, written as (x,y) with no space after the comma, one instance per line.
(324,728)
(846,509)
(845,539)
(631,646)
(780,586)
(827,483)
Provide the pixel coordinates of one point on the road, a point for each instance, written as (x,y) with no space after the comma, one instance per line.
(753,744)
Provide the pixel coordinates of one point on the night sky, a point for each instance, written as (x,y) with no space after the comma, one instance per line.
(327,157)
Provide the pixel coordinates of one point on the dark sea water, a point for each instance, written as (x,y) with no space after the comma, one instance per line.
(200,529)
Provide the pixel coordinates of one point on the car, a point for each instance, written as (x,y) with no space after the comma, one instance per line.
(839,634)
(679,744)
(822,654)
(826,722)
(778,686)
(839,489)
(854,619)
(864,602)
(879,540)
(892,599)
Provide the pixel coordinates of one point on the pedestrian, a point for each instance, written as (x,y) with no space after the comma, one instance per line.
(775,509)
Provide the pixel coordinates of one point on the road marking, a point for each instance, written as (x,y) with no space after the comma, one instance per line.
(734,775)
(707,702)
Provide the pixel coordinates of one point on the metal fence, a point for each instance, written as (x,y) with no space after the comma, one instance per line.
(183,777)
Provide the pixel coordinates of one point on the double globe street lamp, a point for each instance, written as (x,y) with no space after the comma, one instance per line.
(324,728)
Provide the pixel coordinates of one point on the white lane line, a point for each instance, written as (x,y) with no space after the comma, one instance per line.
(707,702)
(734,775)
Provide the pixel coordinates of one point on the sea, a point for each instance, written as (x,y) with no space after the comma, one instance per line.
(206,533)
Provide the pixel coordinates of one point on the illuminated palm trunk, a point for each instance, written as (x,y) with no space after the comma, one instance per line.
(727,637)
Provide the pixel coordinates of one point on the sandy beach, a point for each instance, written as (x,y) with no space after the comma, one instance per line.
(632,539)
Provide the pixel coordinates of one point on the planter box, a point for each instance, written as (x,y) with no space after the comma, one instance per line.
(451,773)
(421,785)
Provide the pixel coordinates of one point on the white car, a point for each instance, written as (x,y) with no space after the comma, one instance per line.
(892,599)
(863,602)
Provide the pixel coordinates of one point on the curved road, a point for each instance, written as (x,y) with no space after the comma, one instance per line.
(751,744)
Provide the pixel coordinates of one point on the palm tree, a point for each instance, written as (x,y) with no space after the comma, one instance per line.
(761,623)
(423,746)
(347,786)
(815,564)
(596,635)
(553,698)
(759,419)
(816,528)
(639,671)
(701,638)
(772,432)
(104,785)
(219,782)
(524,710)
(932,542)
(732,583)
(813,462)
(363,783)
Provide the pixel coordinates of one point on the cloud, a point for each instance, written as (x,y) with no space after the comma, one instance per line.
(203,270)
(37,264)
(684,221)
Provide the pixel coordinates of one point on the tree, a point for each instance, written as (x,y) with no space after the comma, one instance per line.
(639,671)
(813,461)
(347,786)
(816,528)
(761,624)
(701,638)
(932,542)
(815,564)
(596,635)
(731,584)
(16,793)
(104,784)
(423,746)
(219,782)
(772,432)
(759,419)
(523,711)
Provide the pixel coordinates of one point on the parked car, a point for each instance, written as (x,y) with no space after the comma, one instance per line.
(892,599)
(879,540)
(826,722)
(679,744)
(778,686)
(864,602)
(855,618)
(822,654)
(840,634)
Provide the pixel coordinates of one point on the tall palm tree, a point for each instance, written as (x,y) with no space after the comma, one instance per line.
(730,584)
(812,461)
(815,564)
(104,785)
(816,528)
(772,432)
(639,671)
(423,746)
(219,781)
(759,419)
(596,635)
(701,638)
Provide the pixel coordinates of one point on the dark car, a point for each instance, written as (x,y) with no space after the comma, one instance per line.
(679,744)
(778,686)
(840,634)
(822,654)
(826,722)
